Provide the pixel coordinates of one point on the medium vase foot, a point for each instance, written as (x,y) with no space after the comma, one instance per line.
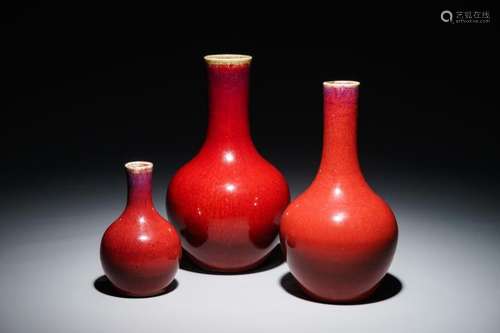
(347,300)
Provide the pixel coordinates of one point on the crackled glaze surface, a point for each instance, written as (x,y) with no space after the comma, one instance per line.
(227,201)
(140,251)
(339,236)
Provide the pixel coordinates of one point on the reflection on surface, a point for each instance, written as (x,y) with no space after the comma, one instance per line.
(337,192)
(338,218)
(229,157)
(230,187)
(143,238)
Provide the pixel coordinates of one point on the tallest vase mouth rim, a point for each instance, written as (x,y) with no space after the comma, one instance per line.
(139,166)
(227,59)
(341,84)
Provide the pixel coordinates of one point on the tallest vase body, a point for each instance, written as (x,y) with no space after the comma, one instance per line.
(227,201)
(339,236)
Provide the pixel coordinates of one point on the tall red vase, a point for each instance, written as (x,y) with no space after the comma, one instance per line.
(227,201)
(339,236)
(140,251)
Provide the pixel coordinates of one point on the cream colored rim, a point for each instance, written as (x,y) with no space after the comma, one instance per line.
(341,84)
(139,166)
(227,59)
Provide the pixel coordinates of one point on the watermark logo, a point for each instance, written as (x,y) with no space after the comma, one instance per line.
(465,17)
(446,16)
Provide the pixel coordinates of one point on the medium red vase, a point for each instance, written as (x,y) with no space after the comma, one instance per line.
(339,236)
(140,251)
(227,201)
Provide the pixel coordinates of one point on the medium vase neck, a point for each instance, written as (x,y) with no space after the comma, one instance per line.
(228,77)
(139,180)
(340,108)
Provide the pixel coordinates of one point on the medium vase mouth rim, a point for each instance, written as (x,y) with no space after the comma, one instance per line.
(341,84)
(227,59)
(139,166)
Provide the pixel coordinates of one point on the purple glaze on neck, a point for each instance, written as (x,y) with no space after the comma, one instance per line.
(139,188)
(339,155)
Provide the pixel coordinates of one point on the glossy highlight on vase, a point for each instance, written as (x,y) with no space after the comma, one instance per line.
(140,251)
(339,236)
(227,201)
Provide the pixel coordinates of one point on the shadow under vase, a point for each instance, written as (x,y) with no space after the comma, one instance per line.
(387,288)
(104,286)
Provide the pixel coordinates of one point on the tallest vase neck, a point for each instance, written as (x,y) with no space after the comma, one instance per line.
(228,77)
(340,157)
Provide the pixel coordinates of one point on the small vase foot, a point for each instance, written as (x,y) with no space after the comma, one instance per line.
(142,295)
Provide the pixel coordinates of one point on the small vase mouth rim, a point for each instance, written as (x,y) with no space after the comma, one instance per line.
(139,166)
(341,84)
(227,59)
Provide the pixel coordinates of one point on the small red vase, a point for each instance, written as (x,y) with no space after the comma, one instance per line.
(339,236)
(227,201)
(140,251)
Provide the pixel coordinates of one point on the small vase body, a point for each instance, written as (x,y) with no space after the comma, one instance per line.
(227,201)
(339,236)
(140,251)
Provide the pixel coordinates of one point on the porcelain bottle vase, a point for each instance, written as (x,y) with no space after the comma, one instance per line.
(339,236)
(227,201)
(140,251)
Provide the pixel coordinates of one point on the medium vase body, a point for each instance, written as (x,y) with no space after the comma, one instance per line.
(227,201)
(339,236)
(140,251)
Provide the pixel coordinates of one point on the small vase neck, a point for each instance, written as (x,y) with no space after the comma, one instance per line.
(228,77)
(340,157)
(139,181)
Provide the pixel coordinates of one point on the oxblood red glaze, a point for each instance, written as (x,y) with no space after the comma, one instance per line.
(227,201)
(140,251)
(339,236)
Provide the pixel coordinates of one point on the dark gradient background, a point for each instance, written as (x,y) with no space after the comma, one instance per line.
(89,87)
